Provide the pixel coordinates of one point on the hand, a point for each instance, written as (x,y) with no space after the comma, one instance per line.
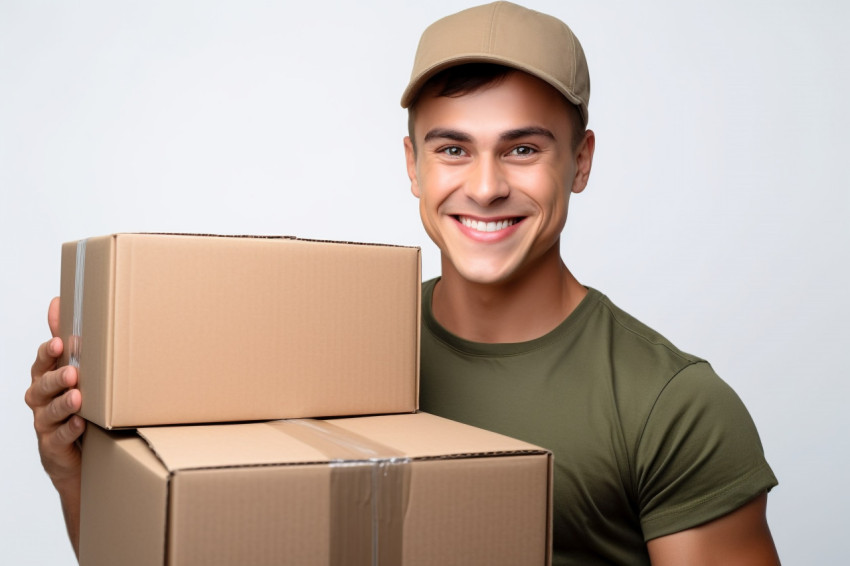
(54,398)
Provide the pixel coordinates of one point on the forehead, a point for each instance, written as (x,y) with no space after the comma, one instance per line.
(514,100)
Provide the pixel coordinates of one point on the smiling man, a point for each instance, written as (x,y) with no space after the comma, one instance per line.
(656,459)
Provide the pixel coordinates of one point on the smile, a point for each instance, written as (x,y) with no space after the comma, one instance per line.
(482,226)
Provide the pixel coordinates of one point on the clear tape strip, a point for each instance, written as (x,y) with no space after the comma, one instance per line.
(77,324)
(363,535)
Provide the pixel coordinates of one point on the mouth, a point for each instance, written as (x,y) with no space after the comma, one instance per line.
(488,225)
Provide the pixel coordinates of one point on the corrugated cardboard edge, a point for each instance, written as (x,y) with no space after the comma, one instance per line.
(110,354)
(550,511)
(267,237)
(66,292)
(418,324)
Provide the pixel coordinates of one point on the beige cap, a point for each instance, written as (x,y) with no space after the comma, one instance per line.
(505,34)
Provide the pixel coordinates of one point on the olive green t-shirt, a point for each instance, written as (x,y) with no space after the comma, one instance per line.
(647,439)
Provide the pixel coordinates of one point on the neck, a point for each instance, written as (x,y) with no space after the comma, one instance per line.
(517,310)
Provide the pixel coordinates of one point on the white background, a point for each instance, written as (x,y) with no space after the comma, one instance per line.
(716,212)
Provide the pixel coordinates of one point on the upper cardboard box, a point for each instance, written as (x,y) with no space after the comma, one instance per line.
(394,490)
(173,329)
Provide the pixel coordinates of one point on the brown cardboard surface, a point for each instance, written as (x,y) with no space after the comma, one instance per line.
(261,493)
(429,436)
(124,501)
(451,498)
(191,329)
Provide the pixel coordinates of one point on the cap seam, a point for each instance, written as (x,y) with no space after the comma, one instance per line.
(575,62)
(489,47)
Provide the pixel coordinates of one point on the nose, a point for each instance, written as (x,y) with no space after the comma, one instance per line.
(486,183)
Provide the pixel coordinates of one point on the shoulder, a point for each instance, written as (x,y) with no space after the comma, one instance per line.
(694,450)
(634,336)
(654,386)
(640,361)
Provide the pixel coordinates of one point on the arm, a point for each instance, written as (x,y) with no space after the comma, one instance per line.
(741,538)
(53,398)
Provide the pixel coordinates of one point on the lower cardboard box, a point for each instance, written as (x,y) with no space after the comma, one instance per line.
(396,490)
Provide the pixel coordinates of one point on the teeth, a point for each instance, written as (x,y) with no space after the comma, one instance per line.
(487,226)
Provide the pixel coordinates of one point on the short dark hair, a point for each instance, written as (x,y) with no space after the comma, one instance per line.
(463,79)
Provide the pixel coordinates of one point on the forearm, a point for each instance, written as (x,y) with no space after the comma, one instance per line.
(69,495)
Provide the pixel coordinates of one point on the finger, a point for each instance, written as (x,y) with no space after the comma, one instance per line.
(64,406)
(49,385)
(46,357)
(50,417)
(53,317)
(68,433)
(47,416)
(60,455)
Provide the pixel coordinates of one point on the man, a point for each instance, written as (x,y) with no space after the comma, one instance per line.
(656,458)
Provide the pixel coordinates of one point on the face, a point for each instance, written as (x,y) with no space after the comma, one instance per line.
(493,171)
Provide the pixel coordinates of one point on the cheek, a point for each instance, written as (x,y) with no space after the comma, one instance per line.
(552,195)
(429,211)
(435,186)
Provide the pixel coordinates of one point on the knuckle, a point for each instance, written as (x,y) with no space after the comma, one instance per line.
(54,411)
(40,429)
(52,415)
(51,384)
(42,363)
(59,436)
(28,398)
(45,384)
(63,437)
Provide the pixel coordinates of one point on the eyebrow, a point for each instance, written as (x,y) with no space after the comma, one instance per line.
(529,131)
(510,135)
(446,133)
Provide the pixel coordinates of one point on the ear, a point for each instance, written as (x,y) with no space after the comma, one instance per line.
(584,161)
(410,158)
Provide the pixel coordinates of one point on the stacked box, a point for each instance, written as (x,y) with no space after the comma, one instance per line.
(176,329)
(169,329)
(398,490)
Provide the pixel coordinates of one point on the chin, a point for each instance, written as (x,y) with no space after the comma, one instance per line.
(486,275)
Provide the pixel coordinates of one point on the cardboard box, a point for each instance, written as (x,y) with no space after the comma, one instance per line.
(396,490)
(172,329)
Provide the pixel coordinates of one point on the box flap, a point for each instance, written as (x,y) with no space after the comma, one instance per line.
(214,446)
(419,435)
(423,435)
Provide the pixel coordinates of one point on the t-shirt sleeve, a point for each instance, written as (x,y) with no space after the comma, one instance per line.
(699,457)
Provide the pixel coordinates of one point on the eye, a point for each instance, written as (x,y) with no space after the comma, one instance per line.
(452,151)
(522,151)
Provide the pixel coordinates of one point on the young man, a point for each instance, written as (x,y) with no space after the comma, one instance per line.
(656,458)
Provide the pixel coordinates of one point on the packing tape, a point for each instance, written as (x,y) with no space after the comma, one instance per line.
(369,491)
(77,320)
